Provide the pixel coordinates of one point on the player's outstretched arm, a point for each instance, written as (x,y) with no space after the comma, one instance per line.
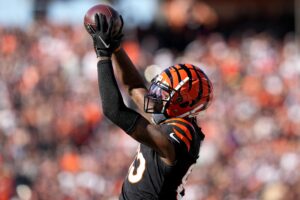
(130,78)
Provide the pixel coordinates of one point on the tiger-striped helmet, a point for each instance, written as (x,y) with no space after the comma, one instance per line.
(181,90)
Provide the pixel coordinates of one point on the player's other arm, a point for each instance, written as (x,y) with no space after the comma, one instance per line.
(130,78)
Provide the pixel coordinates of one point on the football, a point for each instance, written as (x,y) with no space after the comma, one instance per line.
(108,11)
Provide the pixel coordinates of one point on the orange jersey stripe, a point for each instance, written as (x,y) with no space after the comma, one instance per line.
(181,120)
(184,139)
(185,129)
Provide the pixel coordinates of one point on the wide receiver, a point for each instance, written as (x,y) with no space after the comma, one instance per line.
(167,131)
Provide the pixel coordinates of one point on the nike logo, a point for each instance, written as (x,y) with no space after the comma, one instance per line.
(104,43)
(172,136)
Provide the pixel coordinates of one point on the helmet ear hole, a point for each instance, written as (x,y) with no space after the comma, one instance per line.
(179,99)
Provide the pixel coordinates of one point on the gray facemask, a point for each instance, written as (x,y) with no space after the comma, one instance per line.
(158,118)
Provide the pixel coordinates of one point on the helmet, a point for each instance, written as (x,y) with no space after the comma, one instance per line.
(181,90)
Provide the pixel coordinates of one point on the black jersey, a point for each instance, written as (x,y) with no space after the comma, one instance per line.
(149,178)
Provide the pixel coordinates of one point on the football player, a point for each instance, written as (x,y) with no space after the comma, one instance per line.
(167,131)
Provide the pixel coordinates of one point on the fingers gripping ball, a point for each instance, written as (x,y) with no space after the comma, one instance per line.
(109,12)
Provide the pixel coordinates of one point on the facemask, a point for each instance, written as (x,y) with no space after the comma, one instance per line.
(158,118)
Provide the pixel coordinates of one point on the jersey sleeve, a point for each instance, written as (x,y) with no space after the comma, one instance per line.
(180,133)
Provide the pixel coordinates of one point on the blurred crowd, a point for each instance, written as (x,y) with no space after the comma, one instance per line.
(56,144)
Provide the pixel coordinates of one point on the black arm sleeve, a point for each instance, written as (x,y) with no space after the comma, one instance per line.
(112,102)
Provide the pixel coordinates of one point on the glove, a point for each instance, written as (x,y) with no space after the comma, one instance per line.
(104,42)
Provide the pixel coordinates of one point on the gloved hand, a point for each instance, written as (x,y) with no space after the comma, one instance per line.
(104,42)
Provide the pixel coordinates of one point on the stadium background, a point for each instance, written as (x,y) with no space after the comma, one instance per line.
(55,143)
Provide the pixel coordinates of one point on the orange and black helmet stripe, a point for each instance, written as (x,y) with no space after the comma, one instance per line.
(204,86)
(206,89)
(178,77)
(200,89)
(189,74)
(169,75)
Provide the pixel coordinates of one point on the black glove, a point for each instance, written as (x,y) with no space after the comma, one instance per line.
(104,42)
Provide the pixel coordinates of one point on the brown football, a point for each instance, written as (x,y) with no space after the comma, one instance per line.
(108,11)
